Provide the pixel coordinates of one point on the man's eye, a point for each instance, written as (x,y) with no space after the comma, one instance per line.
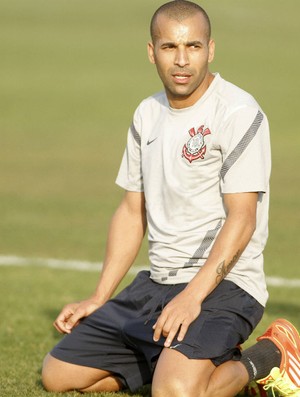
(195,46)
(168,47)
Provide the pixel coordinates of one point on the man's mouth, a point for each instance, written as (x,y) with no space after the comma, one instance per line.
(181,78)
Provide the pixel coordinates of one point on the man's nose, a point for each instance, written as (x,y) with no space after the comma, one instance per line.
(181,58)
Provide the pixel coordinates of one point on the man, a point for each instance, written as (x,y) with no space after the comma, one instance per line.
(196,172)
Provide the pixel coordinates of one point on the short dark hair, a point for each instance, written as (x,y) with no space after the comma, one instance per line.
(179,10)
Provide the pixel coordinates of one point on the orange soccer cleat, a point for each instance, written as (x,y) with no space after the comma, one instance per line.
(286,379)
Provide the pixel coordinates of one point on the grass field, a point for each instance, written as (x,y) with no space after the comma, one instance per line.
(71,75)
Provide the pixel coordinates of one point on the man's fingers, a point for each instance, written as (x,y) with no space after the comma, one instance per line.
(74,319)
(175,319)
(157,331)
(62,319)
(183,330)
(168,328)
(160,327)
(172,332)
(60,325)
(71,314)
(171,335)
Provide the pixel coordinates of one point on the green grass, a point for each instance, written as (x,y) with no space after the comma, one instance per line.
(33,297)
(70,80)
(71,75)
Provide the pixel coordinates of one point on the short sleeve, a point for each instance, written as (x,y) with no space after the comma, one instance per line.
(245,145)
(130,172)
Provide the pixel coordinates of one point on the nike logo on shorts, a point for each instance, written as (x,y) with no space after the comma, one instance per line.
(175,346)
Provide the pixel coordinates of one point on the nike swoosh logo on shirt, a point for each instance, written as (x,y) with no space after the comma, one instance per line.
(152,140)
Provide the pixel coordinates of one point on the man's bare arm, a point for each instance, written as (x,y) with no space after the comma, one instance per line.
(232,240)
(126,233)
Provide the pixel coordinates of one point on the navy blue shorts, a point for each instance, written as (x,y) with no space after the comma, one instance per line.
(118,337)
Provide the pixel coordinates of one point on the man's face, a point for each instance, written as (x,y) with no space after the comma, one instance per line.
(181,53)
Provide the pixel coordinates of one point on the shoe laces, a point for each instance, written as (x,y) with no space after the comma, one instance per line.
(282,386)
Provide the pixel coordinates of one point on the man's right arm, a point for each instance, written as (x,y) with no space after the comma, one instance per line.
(125,236)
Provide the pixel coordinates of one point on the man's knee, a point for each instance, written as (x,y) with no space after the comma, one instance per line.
(176,388)
(60,376)
(52,375)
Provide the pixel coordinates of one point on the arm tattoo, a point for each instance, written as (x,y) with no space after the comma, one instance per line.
(223,270)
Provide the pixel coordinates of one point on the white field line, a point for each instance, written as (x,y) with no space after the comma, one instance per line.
(68,264)
(10,260)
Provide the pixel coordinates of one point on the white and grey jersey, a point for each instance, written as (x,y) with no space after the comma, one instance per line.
(185,160)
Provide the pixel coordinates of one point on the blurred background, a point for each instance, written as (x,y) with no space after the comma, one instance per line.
(71,76)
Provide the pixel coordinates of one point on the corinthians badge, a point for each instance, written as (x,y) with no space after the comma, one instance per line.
(195,147)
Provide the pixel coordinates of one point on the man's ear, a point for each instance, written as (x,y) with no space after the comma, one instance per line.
(211,50)
(150,48)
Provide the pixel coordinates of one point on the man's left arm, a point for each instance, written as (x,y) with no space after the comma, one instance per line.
(233,238)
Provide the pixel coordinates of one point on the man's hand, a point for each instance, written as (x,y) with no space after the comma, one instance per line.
(71,314)
(176,317)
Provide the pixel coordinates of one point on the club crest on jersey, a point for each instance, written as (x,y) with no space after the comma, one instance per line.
(195,147)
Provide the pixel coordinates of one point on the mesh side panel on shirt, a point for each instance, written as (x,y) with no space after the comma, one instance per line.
(135,135)
(242,145)
(205,244)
